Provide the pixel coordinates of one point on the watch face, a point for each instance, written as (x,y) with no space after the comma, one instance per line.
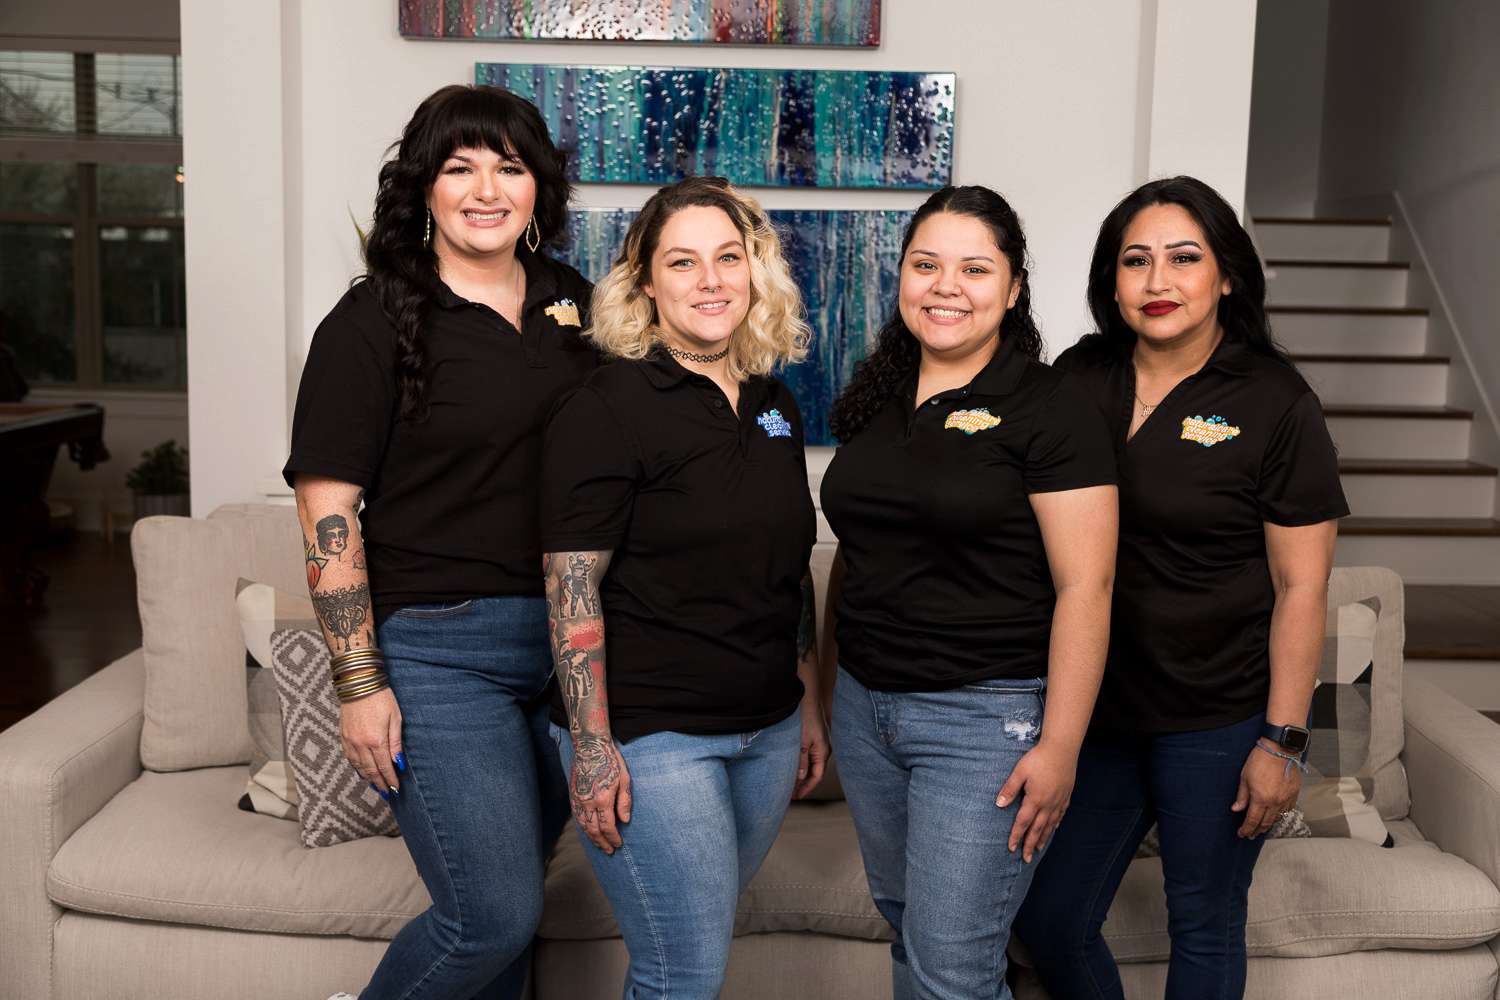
(1295,738)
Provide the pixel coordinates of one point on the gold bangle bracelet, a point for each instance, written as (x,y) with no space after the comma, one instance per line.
(360,692)
(353,656)
(353,673)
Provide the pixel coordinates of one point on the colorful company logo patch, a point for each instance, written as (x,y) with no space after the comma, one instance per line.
(775,424)
(971,421)
(564,312)
(1208,432)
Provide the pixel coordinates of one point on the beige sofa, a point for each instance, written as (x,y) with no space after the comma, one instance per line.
(127,872)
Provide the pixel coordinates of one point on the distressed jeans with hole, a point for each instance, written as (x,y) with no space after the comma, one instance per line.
(921,771)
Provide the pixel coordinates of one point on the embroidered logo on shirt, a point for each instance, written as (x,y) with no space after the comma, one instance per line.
(971,422)
(1208,432)
(564,312)
(775,424)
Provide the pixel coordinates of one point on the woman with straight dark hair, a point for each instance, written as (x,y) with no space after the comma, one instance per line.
(1229,500)
(416,448)
(974,502)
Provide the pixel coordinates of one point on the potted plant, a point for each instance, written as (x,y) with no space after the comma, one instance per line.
(160,481)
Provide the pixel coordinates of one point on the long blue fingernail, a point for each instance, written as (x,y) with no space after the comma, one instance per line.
(383,795)
(400,761)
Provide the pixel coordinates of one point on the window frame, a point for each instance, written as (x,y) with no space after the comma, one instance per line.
(86,151)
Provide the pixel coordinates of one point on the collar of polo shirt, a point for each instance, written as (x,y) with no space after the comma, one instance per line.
(540,284)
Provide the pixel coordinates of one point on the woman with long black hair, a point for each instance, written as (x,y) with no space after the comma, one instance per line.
(1229,500)
(416,448)
(973,498)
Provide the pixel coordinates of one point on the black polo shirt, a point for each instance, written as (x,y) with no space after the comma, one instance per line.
(450,501)
(946,579)
(711,523)
(1240,443)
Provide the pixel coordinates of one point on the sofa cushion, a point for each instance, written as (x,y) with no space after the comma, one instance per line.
(1323,896)
(186,570)
(173,848)
(263,609)
(813,880)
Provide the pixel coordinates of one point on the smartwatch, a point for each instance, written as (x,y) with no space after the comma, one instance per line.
(1292,739)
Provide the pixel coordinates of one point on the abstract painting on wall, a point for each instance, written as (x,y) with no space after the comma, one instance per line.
(732,22)
(757,127)
(844,262)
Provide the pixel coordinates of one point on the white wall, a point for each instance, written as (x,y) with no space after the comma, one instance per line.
(290,108)
(1286,109)
(1411,102)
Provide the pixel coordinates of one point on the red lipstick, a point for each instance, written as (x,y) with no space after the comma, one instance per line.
(1158,308)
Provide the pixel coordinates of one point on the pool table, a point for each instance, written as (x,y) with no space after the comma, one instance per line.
(30,434)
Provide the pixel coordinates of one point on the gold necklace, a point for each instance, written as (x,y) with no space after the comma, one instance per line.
(1146,407)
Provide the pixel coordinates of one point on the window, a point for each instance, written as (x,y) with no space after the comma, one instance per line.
(91,247)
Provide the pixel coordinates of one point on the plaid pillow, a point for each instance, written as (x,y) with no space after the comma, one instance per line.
(263,609)
(334,802)
(1339,790)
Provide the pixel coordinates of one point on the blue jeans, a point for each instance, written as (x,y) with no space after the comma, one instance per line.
(1185,782)
(704,812)
(921,771)
(482,798)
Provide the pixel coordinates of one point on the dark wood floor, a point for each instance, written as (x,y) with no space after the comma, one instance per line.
(89,620)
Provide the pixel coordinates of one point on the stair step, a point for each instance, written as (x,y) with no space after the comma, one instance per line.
(1453,623)
(1382,432)
(1355,283)
(1322,220)
(1330,239)
(1413,467)
(1349,330)
(1396,380)
(1386,487)
(1424,550)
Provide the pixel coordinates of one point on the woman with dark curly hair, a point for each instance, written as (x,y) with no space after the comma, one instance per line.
(423,399)
(1229,507)
(974,502)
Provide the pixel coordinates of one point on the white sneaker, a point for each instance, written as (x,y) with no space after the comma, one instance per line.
(343,996)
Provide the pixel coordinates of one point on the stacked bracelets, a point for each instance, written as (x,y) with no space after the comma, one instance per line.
(359,672)
(1292,759)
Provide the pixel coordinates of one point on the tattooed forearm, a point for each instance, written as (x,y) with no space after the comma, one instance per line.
(577,627)
(807,625)
(343,611)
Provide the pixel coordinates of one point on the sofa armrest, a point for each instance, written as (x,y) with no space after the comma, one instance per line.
(58,767)
(1452,759)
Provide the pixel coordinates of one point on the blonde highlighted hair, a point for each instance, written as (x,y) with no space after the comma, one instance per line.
(774,331)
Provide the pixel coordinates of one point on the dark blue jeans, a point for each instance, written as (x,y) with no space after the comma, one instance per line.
(1185,782)
(483,797)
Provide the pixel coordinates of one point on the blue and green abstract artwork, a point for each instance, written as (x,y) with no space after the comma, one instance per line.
(729,22)
(846,264)
(757,127)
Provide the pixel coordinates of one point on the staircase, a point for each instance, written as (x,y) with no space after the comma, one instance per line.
(1420,504)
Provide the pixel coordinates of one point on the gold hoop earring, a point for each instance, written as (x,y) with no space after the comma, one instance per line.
(533,234)
(427,234)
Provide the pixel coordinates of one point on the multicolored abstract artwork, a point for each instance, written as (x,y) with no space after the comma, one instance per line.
(731,22)
(844,262)
(757,127)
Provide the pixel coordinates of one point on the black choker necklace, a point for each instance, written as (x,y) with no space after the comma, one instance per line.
(702,359)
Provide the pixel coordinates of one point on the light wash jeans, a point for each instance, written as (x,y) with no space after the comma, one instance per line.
(921,771)
(704,814)
(482,799)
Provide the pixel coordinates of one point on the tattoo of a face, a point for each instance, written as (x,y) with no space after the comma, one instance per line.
(807,624)
(333,536)
(315,563)
(343,611)
(576,587)
(594,770)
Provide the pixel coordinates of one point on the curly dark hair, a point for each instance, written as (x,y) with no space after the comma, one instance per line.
(897,352)
(401,269)
(1242,313)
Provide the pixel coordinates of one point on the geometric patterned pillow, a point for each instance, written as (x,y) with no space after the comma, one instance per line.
(335,803)
(1338,791)
(263,609)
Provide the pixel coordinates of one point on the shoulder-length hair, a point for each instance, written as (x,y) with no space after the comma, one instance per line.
(774,332)
(399,265)
(897,353)
(1242,313)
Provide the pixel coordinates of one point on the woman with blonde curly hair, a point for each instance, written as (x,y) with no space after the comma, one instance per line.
(677,525)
